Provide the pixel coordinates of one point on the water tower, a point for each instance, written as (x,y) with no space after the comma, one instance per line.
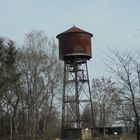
(77,110)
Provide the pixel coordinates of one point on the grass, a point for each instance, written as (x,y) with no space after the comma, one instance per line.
(116,138)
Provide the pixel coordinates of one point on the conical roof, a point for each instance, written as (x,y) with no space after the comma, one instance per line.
(74,29)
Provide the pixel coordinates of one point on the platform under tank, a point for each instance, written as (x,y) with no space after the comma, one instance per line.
(75,43)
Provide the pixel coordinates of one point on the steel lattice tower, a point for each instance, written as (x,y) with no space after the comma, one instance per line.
(77,110)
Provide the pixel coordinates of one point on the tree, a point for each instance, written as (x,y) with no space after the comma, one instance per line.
(9,82)
(41,78)
(105,100)
(2,64)
(30,83)
(126,69)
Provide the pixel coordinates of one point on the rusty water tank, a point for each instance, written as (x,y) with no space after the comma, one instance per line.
(74,43)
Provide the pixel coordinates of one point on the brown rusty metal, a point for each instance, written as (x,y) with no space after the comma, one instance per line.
(74,42)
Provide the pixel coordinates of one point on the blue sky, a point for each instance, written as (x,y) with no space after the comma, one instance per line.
(114,23)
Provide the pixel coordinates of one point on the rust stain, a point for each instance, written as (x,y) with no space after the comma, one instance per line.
(74,42)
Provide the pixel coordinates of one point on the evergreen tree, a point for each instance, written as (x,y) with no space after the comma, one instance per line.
(8,83)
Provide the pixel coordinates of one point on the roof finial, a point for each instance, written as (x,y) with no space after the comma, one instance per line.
(74,25)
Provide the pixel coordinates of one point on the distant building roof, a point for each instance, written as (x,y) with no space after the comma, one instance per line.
(118,123)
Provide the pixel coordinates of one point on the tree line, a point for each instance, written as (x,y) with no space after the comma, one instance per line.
(30,81)
(31,86)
